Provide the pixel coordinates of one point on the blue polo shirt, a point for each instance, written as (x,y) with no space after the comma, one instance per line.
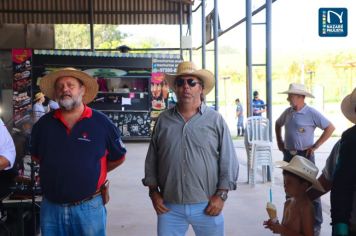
(73,163)
(257,104)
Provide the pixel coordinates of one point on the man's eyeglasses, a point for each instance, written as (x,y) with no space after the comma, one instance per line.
(191,82)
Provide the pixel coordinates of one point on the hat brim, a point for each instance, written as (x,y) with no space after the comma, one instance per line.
(285,166)
(298,92)
(47,83)
(206,76)
(348,108)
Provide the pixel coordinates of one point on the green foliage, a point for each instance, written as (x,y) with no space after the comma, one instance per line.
(74,36)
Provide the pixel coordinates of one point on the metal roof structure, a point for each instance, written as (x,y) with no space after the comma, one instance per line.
(94,11)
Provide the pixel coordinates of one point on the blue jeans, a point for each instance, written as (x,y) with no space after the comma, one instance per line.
(87,219)
(180,216)
(318,217)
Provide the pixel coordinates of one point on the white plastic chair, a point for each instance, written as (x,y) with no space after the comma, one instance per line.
(258,147)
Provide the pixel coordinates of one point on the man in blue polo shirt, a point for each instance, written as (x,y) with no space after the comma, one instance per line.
(76,146)
(258,105)
(300,121)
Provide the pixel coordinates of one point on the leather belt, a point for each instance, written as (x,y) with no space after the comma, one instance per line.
(97,193)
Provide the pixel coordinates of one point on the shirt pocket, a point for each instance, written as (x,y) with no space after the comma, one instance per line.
(199,137)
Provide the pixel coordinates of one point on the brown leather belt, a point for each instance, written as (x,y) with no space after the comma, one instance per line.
(97,193)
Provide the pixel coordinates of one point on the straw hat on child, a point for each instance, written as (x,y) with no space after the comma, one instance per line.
(303,168)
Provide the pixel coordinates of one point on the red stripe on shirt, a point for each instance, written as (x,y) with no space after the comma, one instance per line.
(103,170)
(87,113)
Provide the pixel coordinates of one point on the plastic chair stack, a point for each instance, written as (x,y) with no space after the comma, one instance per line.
(258,147)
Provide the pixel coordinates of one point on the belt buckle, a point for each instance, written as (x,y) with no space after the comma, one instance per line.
(293,152)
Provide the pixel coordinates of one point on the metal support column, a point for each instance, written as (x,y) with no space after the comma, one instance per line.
(203,35)
(91,24)
(181,28)
(190,31)
(216,53)
(248,58)
(269,63)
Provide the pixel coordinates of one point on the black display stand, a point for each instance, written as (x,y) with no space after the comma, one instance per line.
(124,88)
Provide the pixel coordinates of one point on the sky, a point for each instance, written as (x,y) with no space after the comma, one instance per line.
(294,26)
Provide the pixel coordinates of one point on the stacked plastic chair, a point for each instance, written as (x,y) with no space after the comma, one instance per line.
(258,147)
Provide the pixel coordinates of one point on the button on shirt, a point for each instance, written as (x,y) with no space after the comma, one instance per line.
(300,126)
(190,160)
(7,147)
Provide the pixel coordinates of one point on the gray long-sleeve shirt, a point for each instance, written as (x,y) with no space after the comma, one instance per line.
(190,160)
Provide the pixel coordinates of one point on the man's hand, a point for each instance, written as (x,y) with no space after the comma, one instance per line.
(4,163)
(157,202)
(310,151)
(215,206)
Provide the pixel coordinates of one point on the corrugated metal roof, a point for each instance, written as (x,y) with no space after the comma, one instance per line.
(105,11)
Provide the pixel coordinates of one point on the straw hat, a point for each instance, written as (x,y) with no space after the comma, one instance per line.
(38,96)
(47,83)
(303,168)
(299,89)
(189,68)
(348,106)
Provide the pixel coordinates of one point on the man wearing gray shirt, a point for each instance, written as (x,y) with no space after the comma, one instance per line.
(191,163)
(300,122)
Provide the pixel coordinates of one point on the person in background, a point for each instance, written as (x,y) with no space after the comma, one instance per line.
(343,188)
(190,172)
(38,109)
(75,147)
(258,105)
(298,215)
(300,122)
(7,159)
(53,105)
(240,117)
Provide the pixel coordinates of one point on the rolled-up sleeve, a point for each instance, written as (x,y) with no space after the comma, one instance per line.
(228,163)
(7,147)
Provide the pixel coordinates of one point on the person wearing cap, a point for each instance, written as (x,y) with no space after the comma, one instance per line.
(191,162)
(7,159)
(75,146)
(258,105)
(38,109)
(344,184)
(299,175)
(300,122)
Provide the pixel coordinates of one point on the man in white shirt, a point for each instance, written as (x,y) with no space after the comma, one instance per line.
(7,159)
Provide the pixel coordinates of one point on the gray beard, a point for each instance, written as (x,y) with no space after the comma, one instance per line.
(70,104)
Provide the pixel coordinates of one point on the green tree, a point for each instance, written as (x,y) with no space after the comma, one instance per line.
(294,71)
(74,36)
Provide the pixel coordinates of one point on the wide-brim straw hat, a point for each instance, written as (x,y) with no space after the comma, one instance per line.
(295,88)
(303,168)
(38,96)
(348,106)
(189,68)
(47,83)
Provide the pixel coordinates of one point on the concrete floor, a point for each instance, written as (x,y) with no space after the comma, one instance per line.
(130,211)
